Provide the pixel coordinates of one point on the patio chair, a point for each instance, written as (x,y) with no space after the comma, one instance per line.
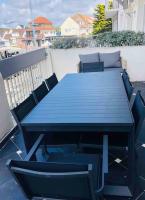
(91,67)
(52,81)
(59,148)
(77,176)
(118,140)
(90,63)
(23,109)
(40,92)
(138,111)
(128,86)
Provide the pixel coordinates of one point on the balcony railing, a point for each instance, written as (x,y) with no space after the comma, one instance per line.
(23,73)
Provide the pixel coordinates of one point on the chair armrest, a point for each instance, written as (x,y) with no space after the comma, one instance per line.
(34,148)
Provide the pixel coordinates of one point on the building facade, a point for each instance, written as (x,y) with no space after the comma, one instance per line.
(12,37)
(42,28)
(127,15)
(77,25)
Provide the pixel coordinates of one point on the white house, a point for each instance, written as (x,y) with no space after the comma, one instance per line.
(77,25)
(127,15)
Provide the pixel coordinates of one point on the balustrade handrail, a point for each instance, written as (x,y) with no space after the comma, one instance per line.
(12,65)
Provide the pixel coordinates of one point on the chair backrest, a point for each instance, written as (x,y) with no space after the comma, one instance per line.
(138,111)
(51,81)
(91,67)
(53,180)
(128,86)
(40,92)
(24,108)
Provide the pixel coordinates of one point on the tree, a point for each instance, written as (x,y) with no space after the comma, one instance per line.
(101,24)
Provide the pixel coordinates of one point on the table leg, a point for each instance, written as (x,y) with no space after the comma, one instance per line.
(125,191)
(29,139)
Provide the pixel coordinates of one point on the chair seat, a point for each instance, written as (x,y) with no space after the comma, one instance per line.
(70,148)
(74,176)
(46,152)
(80,158)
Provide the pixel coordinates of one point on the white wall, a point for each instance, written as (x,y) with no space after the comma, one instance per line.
(66,61)
(6,123)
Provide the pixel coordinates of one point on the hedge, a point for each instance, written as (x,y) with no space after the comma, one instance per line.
(123,38)
(107,39)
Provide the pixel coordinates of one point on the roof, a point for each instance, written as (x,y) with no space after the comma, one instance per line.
(83,20)
(42,20)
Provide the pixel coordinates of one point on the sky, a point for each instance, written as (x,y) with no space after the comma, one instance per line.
(13,12)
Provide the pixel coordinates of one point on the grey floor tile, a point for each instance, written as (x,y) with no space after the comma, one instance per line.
(8,149)
(141,196)
(5,175)
(11,191)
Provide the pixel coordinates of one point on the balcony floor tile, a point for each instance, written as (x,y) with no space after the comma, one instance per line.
(11,191)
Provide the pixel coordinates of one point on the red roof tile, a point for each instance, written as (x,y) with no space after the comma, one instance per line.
(42,20)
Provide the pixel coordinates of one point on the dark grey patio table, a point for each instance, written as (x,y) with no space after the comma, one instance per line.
(94,102)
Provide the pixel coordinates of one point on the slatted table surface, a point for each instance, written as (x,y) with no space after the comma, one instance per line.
(85,100)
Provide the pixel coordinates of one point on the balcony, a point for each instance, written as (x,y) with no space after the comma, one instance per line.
(118,5)
(111,12)
(23,73)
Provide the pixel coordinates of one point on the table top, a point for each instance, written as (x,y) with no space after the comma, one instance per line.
(84,99)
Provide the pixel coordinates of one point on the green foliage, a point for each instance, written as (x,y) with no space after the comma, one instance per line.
(101,24)
(106,39)
(70,42)
(122,38)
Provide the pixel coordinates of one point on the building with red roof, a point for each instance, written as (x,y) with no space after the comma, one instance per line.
(42,28)
(42,21)
(23,36)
